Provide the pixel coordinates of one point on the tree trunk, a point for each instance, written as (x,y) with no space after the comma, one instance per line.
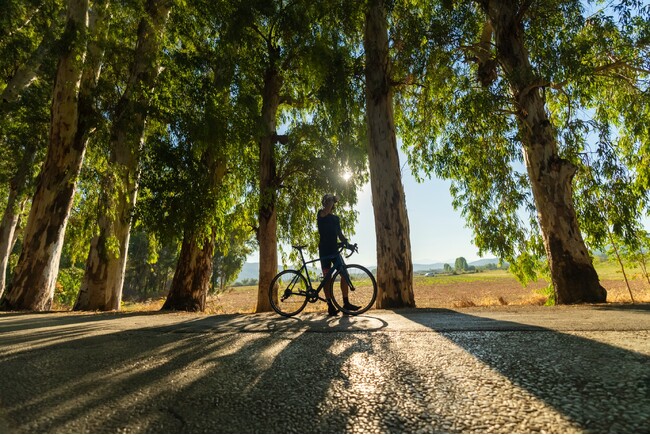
(572,272)
(195,264)
(101,288)
(268,226)
(15,206)
(33,283)
(394,265)
(192,277)
(28,72)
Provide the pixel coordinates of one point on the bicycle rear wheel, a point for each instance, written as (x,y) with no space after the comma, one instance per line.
(362,290)
(288,293)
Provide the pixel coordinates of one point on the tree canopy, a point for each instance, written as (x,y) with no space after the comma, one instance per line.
(239,115)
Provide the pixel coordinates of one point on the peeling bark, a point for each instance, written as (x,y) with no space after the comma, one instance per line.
(268,226)
(101,288)
(15,205)
(35,275)
(192,276)
(194,268)
(394,264)
(574,278)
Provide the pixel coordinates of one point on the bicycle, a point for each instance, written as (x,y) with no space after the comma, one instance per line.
(291,289)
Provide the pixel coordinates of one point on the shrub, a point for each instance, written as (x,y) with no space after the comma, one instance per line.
(67,286)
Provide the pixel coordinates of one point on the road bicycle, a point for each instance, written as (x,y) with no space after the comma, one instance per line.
(291,289)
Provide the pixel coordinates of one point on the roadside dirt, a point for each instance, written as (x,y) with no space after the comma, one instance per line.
(502,291)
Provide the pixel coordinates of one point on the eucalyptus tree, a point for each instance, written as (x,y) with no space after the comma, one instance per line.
(299,67)
(24,132)
(500,130)
(28,35)
(550,174)
(200,143)
(35,275)
(105,266)
(394,263)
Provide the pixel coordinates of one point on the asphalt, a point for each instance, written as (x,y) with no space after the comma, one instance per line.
(481,370)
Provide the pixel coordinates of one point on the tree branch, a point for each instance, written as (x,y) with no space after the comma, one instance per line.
(280,138)
(262,35)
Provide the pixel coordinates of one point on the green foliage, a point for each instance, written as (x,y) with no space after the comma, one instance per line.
(320,104)
(461,264)
(549,293)
(23,25)
(150,268)
(246,282)
(67,285)
(197,159)
(200,165)
(24,132)
(457,129)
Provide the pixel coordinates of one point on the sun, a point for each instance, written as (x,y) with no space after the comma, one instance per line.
(346,175)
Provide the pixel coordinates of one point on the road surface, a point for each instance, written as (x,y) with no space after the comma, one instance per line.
(486,370)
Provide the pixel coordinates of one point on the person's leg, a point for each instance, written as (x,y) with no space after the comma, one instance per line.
(326,266)
(345,289)
(328,286)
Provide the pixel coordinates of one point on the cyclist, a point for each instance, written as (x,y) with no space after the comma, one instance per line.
(329,229)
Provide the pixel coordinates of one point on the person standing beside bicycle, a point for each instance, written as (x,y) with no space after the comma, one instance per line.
(329,230)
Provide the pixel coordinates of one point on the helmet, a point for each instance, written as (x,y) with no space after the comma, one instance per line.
(328,197)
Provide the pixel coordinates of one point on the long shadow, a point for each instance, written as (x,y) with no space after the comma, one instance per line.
(331,377)
(15,321)
(124,380)
(205,374)
(588,376)
(260,373)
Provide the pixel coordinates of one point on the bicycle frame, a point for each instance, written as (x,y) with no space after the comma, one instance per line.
(299,282)
(337,266)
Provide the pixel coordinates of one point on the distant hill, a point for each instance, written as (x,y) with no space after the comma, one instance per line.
(252,270)
(440,266)
(433,266)
(249,271)
(484,261)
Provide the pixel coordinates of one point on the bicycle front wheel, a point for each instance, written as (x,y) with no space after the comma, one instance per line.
(360,286)
(288,293)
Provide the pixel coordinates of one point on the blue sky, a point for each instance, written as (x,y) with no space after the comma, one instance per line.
(438,232)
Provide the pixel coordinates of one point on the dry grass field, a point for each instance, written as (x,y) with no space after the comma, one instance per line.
(453,291)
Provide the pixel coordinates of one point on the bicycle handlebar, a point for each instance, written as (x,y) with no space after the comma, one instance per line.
(347,246)
(341,247)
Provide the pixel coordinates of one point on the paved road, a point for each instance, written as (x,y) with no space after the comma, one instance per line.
(507,369)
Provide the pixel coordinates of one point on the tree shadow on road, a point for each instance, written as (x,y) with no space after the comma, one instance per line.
(15,321)
(203,374)
(590,377)
(263,373)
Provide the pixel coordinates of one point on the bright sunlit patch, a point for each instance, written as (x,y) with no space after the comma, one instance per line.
(346,175)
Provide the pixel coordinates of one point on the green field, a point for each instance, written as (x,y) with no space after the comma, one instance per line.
(493,287)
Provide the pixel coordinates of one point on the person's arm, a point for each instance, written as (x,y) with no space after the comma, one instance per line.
(340,232)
